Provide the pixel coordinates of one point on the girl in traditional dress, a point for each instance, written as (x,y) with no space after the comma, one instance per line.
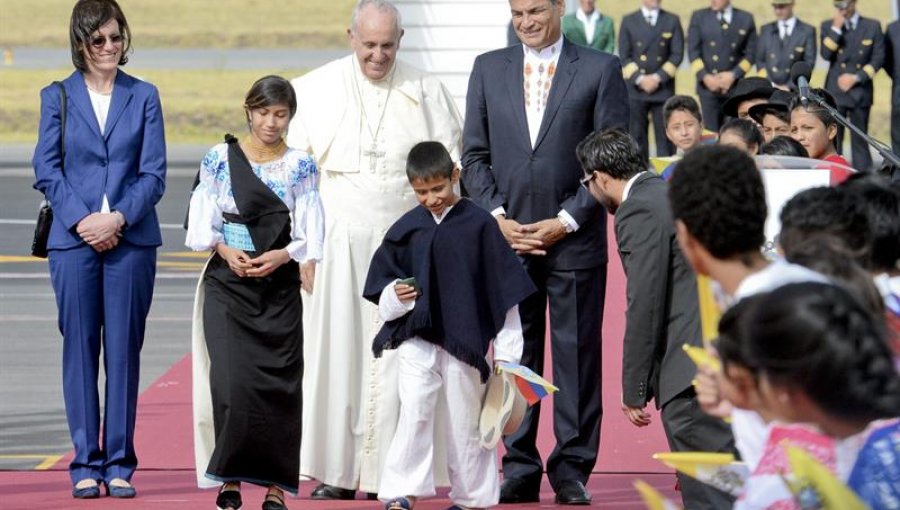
(257,207)
(823,373)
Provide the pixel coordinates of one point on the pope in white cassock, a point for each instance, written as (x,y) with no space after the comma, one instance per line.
(358,116)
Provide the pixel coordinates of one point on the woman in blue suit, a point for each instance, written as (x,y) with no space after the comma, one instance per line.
(103,239)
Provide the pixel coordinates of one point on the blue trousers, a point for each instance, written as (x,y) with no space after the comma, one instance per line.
(103,301)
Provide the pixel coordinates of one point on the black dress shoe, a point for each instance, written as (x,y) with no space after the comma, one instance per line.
(325,491)
(571,492)
(518,490)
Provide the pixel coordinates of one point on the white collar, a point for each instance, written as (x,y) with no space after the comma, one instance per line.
(549,53)
(790,22)
(585,18)
(727,12)
(627,190)
(439,219)
(854,20)
(647,12)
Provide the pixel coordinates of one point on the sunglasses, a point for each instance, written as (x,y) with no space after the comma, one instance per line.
(100,41)
(584,181)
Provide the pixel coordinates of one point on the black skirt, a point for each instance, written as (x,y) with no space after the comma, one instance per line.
(254,336)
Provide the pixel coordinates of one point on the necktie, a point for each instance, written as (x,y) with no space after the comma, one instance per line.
(784,30)
(722,21)
(650,20)
(848,26)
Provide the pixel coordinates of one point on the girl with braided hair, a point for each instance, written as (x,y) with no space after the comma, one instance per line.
(825,376)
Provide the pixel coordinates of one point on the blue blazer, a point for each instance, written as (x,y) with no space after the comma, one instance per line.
(127,162)
(500,168)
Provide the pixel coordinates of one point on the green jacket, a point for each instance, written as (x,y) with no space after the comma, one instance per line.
(604,32)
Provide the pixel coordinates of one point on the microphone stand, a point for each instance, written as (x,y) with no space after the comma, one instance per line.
(879,146)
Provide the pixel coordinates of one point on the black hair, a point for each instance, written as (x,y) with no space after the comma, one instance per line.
(718,193)
(428,160)
(816,109)
(824,211)
(87,17)
(684,103)
(271,90)
(783,145)
(746,129)
(828,255)
(880,203)
(818,338)
(613,152)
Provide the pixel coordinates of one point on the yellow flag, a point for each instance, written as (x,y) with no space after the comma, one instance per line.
(811,480)
(702,358)
(709,309)
(652,498)
(719,470)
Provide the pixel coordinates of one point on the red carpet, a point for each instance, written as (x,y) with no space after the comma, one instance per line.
(165,479)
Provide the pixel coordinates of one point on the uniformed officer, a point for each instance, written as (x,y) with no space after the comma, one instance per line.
(892,66)
(651,46)
(783,42)
(854,47)
(722,49)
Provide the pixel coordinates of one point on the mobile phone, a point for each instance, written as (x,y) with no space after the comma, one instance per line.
(411,281)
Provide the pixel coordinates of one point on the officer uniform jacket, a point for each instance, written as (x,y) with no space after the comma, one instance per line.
(774,57)
(860,52)
(646,49)
(715,47)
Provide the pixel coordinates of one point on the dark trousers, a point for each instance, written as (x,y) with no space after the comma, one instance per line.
(895,126)
(711,108)
(576,314)
(859,117)
(103,301)
(639,123)
(689,429)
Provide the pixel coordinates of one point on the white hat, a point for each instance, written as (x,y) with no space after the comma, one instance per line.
(503,410)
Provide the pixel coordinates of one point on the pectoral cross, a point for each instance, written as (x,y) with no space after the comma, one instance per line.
(373,154)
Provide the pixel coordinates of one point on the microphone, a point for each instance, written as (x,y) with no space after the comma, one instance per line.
(800,73)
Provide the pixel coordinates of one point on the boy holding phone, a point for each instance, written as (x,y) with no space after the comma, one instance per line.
(466,288)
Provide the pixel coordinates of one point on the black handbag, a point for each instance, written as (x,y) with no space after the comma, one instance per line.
(45,215)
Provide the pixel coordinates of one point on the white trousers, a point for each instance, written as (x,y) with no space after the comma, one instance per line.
(424,369)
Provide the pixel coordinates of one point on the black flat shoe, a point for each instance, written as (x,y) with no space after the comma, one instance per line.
(325,491)
(572,492)
(229,499)
(519,490)
(274,502)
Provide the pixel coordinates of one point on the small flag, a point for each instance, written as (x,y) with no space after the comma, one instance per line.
(719,470)
(532,386)
(710,313)
(652,498)
(814,484)
(702,358)
(660,163)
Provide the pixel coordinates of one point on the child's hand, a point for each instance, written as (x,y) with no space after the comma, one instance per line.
(405,293)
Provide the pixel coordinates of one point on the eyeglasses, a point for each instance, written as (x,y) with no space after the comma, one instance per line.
(586,180)
(100,41)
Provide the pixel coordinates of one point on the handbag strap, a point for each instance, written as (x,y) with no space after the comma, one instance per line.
(62,125)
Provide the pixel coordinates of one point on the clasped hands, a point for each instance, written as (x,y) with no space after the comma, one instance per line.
(101,231)
(719,83)
(243,266)
(533,238)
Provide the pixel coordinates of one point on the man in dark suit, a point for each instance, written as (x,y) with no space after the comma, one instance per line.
(663,311)
(892,66)
(651,46)
(527,108)
(783,42)
(722,48)
(854,47)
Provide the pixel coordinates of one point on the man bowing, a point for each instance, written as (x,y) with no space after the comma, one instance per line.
(527,108)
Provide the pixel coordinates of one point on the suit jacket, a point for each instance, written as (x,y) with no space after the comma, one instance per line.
(646,49)
(604,32)
(892,59)
(714,49)
(774,57)
(500,167)
(127,162)
(663,311)
(859,52)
